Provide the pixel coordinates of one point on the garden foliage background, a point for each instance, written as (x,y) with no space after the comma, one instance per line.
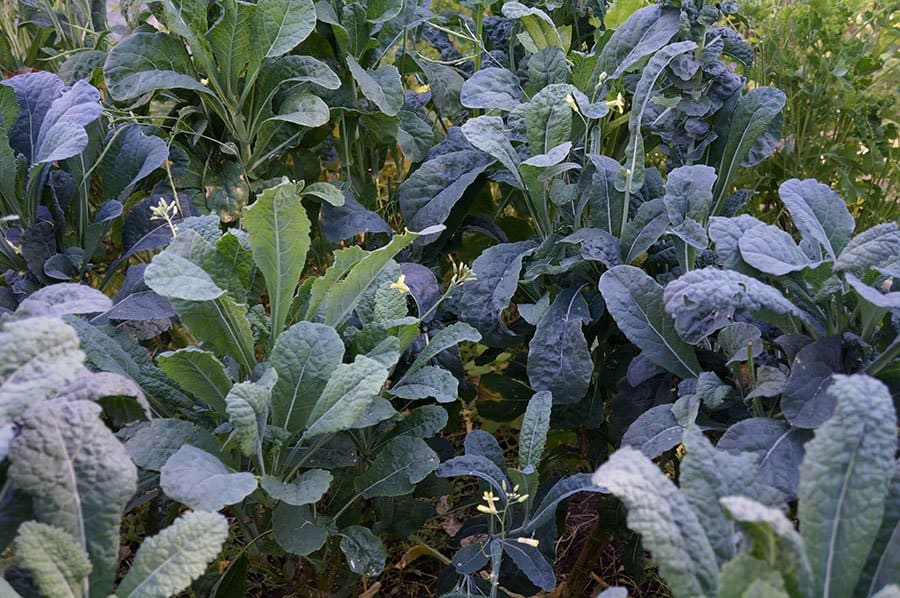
(398,297)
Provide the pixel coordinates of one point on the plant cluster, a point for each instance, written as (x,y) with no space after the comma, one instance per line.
(243,350)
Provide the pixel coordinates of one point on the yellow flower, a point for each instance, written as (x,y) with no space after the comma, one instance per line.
(400,285)
(490,499)
(533,542)
(617,104)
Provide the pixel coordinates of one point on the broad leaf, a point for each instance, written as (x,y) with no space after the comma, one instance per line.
(304,356)
(280,25)
(278,232)
(818,213)
(199,373)
(307,489)
(635,302)
(491,88)
(805,400)
(297,530)
(346,396)
(168,562)
(364,551)
(489,134)
(773,251)
(151,445)
(201,481)
(145,62)
(397,468)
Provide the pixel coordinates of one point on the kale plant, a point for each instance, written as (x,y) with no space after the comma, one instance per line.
(66,478)
(724,532)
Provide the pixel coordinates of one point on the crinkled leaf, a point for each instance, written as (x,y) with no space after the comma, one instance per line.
(38,356)
(63,299)
(778,447)
(535,425)
(79,478)
(482,301)
(844,481)
(875,247)
(774,540)
(702,300)
(490,135)
(645,31)
(428,195)
(654,431)
(632,179)
(58,565)
(559,359)
(755,122)
(245,402)
(667,523)
(168,562)
(707,475)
